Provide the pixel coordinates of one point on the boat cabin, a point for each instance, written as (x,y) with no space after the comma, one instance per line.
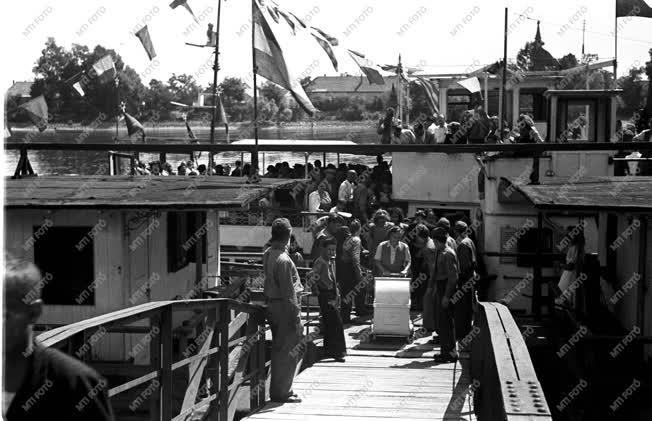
(107,243)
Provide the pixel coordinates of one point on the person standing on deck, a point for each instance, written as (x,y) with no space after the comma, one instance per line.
(386,127)
(446,224)
(42,383)
(282,286)
(347,188)
(361,200)
(422,264)
(443,282)
(377,233)
(323,272)
(464,296)
(352,252)
(333,223)
(331,182)
(393,256)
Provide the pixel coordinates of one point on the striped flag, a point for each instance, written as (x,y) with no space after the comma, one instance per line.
(370,69)
(37,110)
(146,40)
(269,59)
(432,93)
(184,3)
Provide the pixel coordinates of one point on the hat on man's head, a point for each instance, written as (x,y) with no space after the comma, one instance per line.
(444,223)
(461,226)
(440,233)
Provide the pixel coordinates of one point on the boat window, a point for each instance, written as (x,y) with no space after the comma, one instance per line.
(577,121)
(183,230)
(532,103)
(65,257)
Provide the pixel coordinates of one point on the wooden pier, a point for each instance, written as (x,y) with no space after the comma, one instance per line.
(379,380)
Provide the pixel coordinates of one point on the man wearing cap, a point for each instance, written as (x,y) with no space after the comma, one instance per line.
(446,224)
(465,292)
(282,286)
(443,281)
(333,223)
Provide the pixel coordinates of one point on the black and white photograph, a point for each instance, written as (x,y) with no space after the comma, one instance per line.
(319,210)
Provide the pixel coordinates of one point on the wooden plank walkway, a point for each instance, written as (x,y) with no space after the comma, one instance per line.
(385,379)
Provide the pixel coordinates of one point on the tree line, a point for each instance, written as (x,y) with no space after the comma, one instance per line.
(151,102)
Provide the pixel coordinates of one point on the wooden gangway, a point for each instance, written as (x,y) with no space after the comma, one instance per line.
(394,381)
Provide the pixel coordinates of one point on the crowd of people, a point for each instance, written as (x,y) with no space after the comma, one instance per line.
(475,127)
(347,254)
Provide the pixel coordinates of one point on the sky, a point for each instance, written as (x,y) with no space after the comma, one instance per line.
(436,36)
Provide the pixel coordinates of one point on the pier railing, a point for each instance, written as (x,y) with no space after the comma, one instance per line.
(227,354)
(505,384)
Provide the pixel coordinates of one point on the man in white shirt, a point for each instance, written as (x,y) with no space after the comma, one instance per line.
(439,129)
(347,187)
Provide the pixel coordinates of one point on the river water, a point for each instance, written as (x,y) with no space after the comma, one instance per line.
(96,163)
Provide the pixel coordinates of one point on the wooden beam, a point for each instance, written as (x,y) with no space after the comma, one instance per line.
(133,383)
(535,148)
(166,363)
(223,358)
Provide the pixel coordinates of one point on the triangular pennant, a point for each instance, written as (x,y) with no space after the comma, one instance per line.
(368,68)
(471,84)
(146,40)
(184,3)
(633,8)
(133,126)
(37,111)
(327,48)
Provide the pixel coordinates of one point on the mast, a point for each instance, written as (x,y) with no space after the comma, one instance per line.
(216,68)
(399,111)
(254,154)
(504,81)
(616,47)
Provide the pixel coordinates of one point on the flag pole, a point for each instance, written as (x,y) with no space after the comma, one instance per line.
(254,154)
(216,68)
(399,113)
(616,45)
(504,81)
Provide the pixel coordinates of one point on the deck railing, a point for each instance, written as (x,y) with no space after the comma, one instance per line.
(221,359)
(505,384)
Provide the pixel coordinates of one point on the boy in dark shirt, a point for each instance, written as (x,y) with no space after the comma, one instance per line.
(42,383)
(323,270)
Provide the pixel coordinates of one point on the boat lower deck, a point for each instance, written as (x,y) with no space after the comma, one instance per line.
(381,379)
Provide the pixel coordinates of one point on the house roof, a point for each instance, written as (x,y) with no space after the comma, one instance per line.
(623,194)
(20,88)
(136,192)
(349,84)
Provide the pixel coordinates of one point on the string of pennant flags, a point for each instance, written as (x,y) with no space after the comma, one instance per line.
(270,21)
